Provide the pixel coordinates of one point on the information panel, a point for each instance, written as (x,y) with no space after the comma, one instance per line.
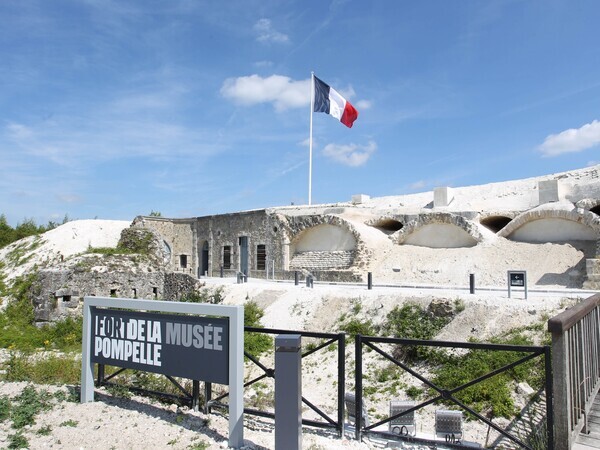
(517,279)
(192,347)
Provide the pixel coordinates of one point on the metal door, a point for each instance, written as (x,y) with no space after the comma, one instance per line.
(244,254)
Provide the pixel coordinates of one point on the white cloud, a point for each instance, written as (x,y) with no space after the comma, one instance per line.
(363,104)
(572,140)
(263,64)
(69,198)
(281,91)
(352,155)
(265,32)
(418,185)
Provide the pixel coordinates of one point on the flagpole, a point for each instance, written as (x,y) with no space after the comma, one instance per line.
(310,139)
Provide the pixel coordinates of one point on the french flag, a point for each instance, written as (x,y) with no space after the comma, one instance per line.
(329,101)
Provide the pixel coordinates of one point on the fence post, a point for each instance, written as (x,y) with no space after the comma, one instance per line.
(369,280)
(549,395)
(358,385)
(296,278)
(288,392)
(195,394)
(341,381)
(472,283)
(562,403)
(207,397)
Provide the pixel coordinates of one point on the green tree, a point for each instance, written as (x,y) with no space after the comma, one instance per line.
(7,233)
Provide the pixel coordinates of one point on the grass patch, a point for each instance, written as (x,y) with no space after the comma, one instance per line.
(23,252)
(43,370)
(69,423)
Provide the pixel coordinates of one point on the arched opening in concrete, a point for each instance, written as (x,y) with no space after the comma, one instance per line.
(440,235)
(553,229)
(495,223)
(323,247)
(167,252)
(595,210)
(388,226)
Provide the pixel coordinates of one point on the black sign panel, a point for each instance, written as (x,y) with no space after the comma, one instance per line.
(517,279)
(185,346)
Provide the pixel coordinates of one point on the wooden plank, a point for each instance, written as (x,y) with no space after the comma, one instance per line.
(578,446)
(584,439)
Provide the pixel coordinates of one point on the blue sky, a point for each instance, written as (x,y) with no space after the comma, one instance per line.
(112,109)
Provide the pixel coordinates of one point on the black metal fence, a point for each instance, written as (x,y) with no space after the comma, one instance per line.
(192,399)
(442,393)
(328,422)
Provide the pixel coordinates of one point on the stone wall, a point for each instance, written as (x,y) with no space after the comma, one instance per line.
(59,293)
(322,260)
(259,227)
(179,237)
(592,267)
(177,285)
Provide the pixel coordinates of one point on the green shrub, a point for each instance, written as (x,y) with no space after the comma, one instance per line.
(414,392)
(45,431)
(410,321)
(493,395)
(69,423)
(4,408)
(27,405)
(17,328)
(255,343)
(17,440)
(205,295)
(28,227)
(355,326)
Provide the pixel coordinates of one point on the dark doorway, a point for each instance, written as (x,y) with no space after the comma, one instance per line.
(204,259)
(244,254)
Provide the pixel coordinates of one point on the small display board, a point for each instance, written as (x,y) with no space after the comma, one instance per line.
(517,279)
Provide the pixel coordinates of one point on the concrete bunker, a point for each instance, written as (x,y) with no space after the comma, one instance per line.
(440,235)
(440,230)
(323,247)
(495,223)
(387,225)
(540,226)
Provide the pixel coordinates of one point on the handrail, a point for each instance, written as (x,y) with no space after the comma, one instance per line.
(576,368)
(566,319)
